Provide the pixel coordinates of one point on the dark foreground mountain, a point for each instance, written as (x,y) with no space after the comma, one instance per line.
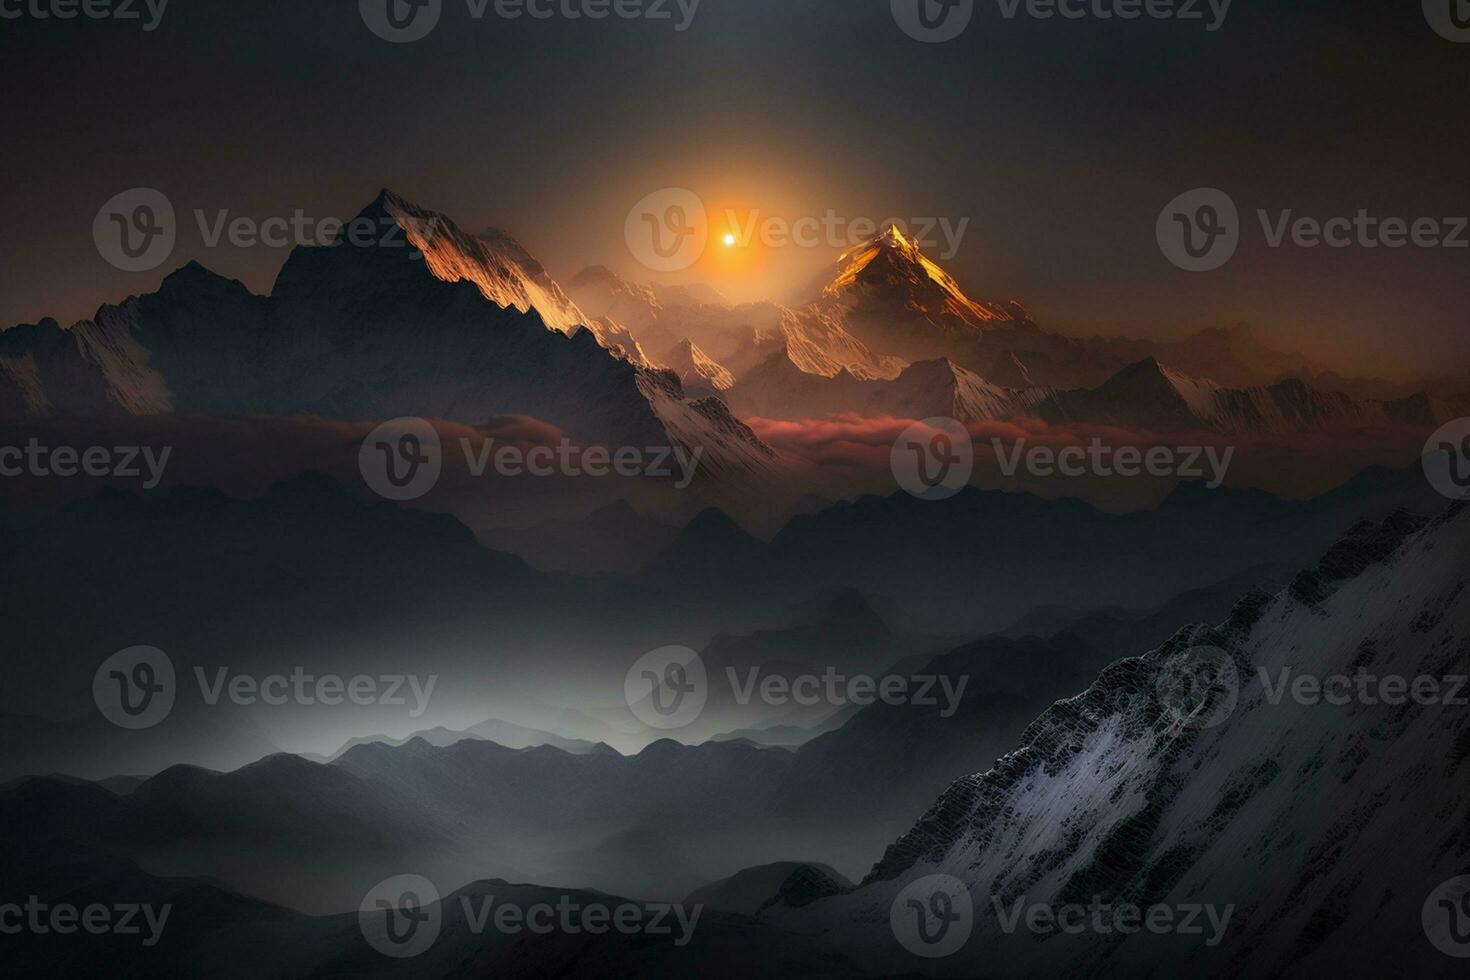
(423,320)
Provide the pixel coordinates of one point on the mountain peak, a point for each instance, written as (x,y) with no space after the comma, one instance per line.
(894,238)
(891,274)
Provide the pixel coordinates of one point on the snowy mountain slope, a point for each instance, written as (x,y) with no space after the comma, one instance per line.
(1290,815)
(698,372)
(504,271)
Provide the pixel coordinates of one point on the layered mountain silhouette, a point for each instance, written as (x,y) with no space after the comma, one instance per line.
(893,334)
(431,322)
(1119,794)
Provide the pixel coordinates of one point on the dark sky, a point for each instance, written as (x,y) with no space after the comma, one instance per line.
(1060,141)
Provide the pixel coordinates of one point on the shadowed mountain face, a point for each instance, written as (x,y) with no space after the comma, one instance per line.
(423,320)
(1268,805)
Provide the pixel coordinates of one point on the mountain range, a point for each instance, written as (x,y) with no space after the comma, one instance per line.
(435,323)
(1118,795)
(467,328)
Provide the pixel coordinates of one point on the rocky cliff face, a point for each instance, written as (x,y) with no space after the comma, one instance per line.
(1194,779)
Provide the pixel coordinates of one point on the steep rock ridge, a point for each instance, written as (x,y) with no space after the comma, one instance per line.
(897,301)
(1116,797)
(891,271)
(698,372)
(435,323)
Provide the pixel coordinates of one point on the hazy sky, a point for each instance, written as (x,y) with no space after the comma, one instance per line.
(1059,140)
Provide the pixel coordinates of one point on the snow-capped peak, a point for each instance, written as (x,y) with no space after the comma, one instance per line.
(892,271)
(500,266)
